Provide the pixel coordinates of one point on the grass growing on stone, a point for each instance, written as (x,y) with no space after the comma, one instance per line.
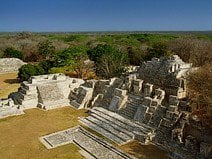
(8,83)
(19,135)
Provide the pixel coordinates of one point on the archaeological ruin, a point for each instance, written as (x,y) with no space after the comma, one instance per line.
(148,105)
(10,65)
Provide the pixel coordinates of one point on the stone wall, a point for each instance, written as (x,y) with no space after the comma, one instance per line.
(9,65)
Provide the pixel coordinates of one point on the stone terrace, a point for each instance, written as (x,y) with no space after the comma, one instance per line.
(116,127)
(92,146)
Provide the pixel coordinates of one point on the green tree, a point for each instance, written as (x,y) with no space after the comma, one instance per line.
(109,62)
(135,56)
(46,49)
(96,53)
(13,53)
(74,57)
(28,70)
(46,65)
(158,49)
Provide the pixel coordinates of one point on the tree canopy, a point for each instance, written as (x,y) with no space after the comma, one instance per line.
(109,62)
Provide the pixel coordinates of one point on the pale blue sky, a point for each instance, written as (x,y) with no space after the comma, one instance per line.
(105,15)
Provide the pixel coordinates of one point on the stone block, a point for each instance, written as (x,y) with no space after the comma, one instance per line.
(148,89)
(137,86)
(172,108)
(147,101)
(173,100)
(114,105)
(120,92)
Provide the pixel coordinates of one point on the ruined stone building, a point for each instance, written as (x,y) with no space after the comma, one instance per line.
(149,106)
(9,65)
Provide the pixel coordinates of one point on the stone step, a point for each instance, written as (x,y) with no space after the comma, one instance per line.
(75,104)
(112,119)
(129,111)
(26,91)
(106,145)
(102,131)
(114,124)
(111,127)
(124,137)
(28,86)
(54,104)
(119,120)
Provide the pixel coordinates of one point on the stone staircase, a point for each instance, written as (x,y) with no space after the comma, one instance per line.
(116,127)
(131,107)
(26,96)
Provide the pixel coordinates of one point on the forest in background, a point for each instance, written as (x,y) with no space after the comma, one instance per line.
(107,54)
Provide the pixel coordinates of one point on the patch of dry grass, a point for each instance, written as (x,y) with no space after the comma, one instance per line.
(19,134)
(8,83)
(144,151)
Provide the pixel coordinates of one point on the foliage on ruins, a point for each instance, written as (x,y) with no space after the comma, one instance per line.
(28,70)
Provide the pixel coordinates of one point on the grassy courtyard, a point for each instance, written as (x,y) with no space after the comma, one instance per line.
(19,135)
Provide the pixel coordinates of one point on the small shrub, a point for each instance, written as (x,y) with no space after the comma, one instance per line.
(28,70)
(13,53)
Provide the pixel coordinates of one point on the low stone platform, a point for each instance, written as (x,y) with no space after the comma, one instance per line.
(116,127)
(92,147)
(8,108)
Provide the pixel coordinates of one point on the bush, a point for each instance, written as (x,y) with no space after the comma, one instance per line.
(46,49)
(28,70)
(46,65)
(109,62)
(13,53)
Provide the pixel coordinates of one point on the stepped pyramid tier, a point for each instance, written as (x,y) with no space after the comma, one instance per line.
(116,127)
(46,91)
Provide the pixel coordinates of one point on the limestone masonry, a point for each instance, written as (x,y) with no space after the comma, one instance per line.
(148,105)
(9,65)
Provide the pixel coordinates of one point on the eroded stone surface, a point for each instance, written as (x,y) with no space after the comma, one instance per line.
(9,65)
